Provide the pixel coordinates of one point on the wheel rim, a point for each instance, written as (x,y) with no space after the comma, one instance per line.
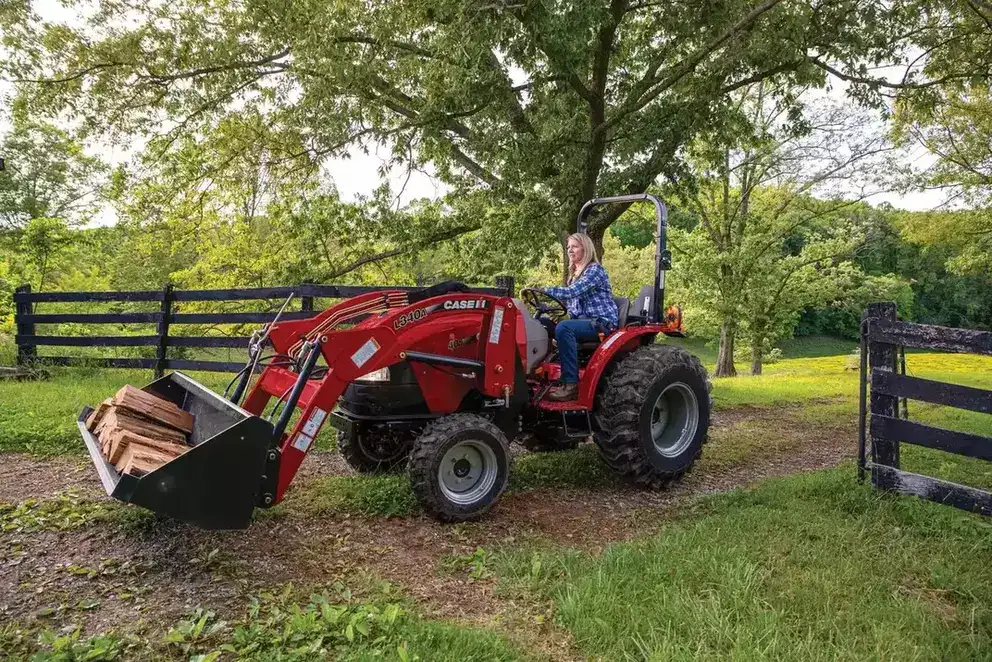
(674,419)
(467,472)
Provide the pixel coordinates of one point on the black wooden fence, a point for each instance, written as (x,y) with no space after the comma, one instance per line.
(881,337)
(170,313)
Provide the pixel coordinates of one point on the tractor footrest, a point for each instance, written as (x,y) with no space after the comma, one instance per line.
(576,423)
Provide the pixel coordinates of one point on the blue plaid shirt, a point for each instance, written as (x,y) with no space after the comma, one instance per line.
(589,297)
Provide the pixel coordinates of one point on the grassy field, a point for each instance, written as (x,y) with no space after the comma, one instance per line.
(812,566)
(804,568)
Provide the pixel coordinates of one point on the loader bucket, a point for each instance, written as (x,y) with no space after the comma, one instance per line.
(213,485)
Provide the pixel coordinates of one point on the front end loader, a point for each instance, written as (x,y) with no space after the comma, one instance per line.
(438,380)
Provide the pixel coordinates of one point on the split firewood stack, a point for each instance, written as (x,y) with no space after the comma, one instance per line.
(138,431)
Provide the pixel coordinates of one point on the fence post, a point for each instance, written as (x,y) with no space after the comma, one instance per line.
(507,283)
(306,300)
(27,352)
(882,357)
(163,331)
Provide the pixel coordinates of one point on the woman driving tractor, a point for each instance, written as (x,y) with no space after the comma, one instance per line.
(592,311)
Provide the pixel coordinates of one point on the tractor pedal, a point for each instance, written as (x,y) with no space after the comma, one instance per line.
(541,392)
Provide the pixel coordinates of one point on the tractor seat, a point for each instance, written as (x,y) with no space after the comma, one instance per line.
(623,309)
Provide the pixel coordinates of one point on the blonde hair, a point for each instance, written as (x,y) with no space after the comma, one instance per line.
(588,254)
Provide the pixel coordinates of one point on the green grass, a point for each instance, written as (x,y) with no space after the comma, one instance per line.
(810,567)
(385,495)
(40,416)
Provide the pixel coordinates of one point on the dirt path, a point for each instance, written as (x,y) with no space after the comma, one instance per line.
(102,577)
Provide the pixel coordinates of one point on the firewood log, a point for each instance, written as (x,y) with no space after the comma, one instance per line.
(124,419)
(153,408)
(121,440)
(139,460)
(97,414)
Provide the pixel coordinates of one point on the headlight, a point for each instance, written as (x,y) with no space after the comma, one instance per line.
(380,375)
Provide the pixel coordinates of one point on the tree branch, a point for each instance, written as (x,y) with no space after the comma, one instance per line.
(193,73)
(643,92)
(758,77)
(878,82)
(391,43)
(597,100)
(71,77)
(475,168)
(379,257)
(518,119)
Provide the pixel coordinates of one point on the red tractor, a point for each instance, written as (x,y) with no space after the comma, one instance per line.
(439,380)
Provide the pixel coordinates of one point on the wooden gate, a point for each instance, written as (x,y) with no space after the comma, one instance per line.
(882,338)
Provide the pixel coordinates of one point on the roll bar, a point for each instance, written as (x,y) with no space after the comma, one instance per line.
(662,256)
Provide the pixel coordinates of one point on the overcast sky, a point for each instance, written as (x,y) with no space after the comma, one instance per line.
(359,175)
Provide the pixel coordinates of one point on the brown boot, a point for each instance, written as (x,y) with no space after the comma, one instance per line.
(565,393)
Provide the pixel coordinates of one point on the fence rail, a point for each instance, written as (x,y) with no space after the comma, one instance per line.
(28,339)
(882,336)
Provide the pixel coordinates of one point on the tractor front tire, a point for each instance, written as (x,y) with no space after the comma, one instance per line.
(459,467)
(372,451)
(653,415)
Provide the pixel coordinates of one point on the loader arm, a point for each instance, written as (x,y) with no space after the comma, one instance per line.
(388,331)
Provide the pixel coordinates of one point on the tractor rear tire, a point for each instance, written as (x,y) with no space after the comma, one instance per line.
(459,467)
(370,452)
(653,415)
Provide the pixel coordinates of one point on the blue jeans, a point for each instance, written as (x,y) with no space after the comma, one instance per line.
(569,333)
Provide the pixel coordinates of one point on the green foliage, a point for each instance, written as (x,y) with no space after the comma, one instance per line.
(842,318)
(43,243)
(46,173)
(474,565)
(73,647)
(65,511)
(919,248)
(953,122)
(522,120)
(281,624)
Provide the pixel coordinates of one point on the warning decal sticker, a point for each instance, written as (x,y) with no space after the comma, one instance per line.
(314,422)
(497,327)
(302,442)
(365,352)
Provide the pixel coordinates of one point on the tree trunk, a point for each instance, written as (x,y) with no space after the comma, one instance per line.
(759,330)
(725,358)
(564,264)
(756,356)
(597,242)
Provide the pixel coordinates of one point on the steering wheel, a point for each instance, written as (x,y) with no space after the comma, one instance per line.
(553,308)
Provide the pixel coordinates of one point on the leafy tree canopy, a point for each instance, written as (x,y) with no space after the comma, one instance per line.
(46,173)
(525,109)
